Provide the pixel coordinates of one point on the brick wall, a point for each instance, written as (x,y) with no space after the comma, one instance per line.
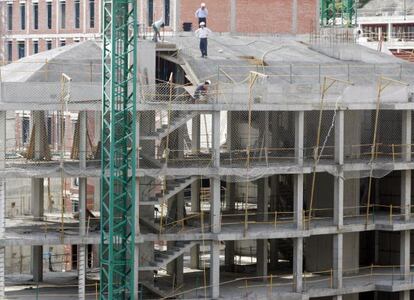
(268,16)
(307,15)
(264,16)
(218,14)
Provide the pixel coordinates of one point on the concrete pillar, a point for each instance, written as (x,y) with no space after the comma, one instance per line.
(405,237)
(262,211)
(230,205)
(82,249)
(195,188)
(299,136)
(2,199)
(215,269)
(37,197)
(406,174)
(40,134)
(37,192)
(176,15)
(215,203)
(298,202)
(405,254)
(338,200)
(274,253)
(338,240)
(298,263)
(37,263)
(405,295)
(233,16)
(294,16)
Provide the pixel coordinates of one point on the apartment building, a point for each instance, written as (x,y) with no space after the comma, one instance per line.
(33,26)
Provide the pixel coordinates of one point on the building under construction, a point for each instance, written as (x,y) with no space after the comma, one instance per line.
(290,179)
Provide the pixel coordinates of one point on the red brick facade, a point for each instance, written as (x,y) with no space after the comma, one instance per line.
(56,35)
(250,16)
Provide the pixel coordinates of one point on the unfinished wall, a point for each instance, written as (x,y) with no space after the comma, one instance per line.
(270,16)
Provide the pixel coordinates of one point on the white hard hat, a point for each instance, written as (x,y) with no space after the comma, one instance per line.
(207,82)
(203,4)
(202,24)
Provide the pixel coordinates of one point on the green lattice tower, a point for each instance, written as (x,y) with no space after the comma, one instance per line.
(118,156)
(338,13)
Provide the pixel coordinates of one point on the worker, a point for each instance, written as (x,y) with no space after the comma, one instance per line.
(202,33)
(156,26)
(202,14)
(201,90)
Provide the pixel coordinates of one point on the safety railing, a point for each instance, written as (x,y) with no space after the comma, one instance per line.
(281,220)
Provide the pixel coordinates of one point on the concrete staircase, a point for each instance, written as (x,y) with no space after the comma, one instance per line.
(162,258)
(173,187)
(179,119)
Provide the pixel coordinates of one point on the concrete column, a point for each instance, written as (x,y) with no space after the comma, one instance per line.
(294,16)
(406,175)
(82,249)
(37,263)
(338,239)
(37,197)
(405,254)
(298,202)
(230,204)
(405,295)
(233,16)
(298,263)
(405,237)
(299,134)
(215,203)
(195,188)
(2,199)
(215,217)
(215,269)
(274,255)
(176,15)
(262,210)
(39,143)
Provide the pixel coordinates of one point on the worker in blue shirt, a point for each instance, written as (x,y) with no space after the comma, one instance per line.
(201,90)
(202,14)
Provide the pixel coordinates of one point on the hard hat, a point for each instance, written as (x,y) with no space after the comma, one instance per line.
(207,82)
(203,4)
(202,24)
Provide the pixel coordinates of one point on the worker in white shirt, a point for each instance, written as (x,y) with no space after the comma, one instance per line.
(156,26)
(202,33)
(202,14)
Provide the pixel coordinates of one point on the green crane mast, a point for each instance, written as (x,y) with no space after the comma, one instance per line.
(342,13)
(118,156)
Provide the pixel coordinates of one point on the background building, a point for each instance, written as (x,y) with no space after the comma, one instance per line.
(31,26)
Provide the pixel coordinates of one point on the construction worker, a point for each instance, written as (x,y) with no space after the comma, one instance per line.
(202,14)
(201,90)
(156,26)
(202,33)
